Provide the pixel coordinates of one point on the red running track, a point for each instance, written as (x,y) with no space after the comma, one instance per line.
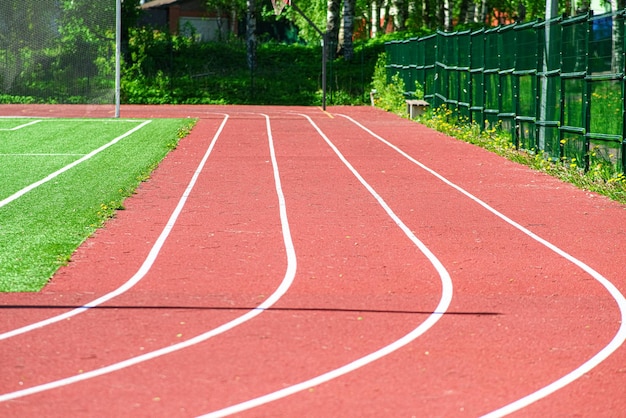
(341,272)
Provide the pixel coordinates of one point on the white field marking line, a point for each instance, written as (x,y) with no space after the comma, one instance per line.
(69,119)
(41,155)
(21,126)
(56,120)
(442,307)
(103,120)
(46,179)
(613,345)
(271,300)
(147,264)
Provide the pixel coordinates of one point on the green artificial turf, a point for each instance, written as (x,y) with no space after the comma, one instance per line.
(40,229)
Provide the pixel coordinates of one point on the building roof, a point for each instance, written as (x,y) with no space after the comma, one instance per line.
(158,3)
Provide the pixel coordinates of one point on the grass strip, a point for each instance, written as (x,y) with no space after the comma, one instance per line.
(30,154)
(40,230)
(601,177)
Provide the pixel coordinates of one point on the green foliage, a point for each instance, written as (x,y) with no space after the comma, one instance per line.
(9,99)
(602,177)
(222,6)
(316,11)
(163,68)
(131,12)
(57,51)
(388,93)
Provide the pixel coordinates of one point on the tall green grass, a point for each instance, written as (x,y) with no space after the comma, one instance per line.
(40,230)
(602,177)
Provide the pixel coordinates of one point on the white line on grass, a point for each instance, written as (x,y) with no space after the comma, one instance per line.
(42,155)
(271,300)
(99,120)
(32,186)
(442,307)
(613,345)
(21,126)
(147,264)
(56,119)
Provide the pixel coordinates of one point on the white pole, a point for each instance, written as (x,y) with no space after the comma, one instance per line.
(551,12)
(118,53)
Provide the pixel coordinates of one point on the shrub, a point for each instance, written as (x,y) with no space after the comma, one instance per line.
(164,68)
(388,95)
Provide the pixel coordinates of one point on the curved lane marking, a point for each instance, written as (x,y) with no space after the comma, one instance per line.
(271,300)
(613,345)
(148,262)
(442,307)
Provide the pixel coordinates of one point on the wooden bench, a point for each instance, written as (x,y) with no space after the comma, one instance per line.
(416,107)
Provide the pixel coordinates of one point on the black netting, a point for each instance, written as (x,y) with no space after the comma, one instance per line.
(57,51)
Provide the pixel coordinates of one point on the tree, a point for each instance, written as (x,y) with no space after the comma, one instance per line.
(401,7)
(27,29)
(348,28)
(130,16)
(332,24)
(251,34)
(60,48)
(237,8)
(617,37)
(223,7)
(375,18)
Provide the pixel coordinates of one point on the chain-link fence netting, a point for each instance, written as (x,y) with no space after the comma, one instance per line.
(57,51)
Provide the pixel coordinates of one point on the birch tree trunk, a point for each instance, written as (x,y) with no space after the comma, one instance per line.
(484,9)
(401,12)
(375,19)
(447,15)
(617,60)
(348,28)
(384,13)
(251,34)
(470,17)
(332,25)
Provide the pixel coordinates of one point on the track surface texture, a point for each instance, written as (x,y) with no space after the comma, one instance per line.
(287,262)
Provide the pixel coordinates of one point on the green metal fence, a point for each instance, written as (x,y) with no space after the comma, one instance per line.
(557,85)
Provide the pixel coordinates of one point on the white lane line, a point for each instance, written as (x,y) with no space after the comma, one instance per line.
(27,189)
(21,126)
(587,366)
(442,307)
(271,300)
(147,264)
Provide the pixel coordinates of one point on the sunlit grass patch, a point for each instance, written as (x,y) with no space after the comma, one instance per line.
(40,229)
